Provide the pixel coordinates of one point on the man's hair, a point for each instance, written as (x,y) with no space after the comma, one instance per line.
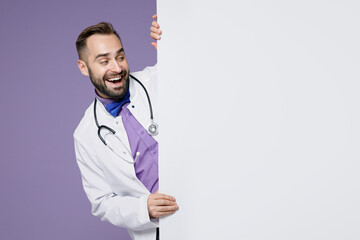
(100,28)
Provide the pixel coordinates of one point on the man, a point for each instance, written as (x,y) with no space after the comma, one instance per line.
(116,155)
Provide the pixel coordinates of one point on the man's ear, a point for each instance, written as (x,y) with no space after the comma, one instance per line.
(83,67)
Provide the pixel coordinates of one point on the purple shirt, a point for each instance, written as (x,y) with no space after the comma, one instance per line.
(146,166)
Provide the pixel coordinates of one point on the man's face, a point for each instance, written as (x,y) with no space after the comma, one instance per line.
(106,65)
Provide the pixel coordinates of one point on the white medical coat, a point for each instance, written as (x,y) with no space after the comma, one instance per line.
(115,193)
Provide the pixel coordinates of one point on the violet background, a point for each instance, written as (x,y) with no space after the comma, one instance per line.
(43,97)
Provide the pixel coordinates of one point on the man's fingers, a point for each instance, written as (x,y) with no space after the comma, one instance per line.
(164,208)
(155,24)
(160,205)
(155,30)
(164,196)
(154,44)
(156,211)
(168,208)
(155,36)
(158,195)
(162,202)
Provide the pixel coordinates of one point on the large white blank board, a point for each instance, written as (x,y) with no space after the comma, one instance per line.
(260,119)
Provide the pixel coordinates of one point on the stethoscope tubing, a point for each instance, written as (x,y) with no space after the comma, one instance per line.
(147,95)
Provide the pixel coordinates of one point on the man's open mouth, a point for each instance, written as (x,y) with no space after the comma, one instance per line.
(114,80)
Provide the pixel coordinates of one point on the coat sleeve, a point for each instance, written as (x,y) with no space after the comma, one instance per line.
(124,211)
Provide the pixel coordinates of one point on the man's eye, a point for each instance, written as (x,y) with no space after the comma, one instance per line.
(120,58)
(104,62)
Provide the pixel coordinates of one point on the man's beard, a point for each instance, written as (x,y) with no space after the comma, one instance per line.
(99,84)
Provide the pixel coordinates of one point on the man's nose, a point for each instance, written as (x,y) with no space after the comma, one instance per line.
(115,67)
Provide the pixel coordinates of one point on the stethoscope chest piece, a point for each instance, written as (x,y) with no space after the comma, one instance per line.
(153,129)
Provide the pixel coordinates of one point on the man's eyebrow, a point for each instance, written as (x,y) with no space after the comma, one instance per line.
(102,55)
(107,54)
(120,51)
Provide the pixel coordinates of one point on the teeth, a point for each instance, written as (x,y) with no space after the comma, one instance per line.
(114,79)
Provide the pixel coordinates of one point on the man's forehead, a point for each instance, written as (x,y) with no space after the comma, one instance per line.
(102,43)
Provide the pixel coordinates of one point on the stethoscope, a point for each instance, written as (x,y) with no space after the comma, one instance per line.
(152,129)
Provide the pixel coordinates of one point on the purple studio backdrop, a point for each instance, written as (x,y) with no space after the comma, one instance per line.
(43,97)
